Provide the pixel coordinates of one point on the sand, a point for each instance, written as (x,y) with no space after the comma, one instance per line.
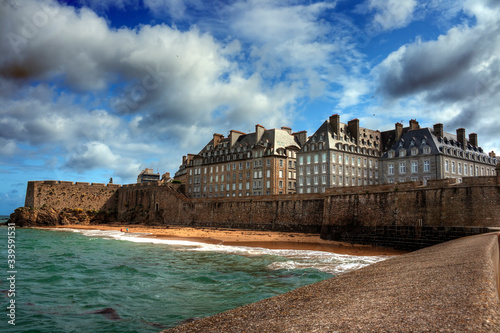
(233,237)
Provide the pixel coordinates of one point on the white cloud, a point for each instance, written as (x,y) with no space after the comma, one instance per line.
(391,14)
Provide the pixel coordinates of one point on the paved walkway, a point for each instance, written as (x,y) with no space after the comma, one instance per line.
(450,287)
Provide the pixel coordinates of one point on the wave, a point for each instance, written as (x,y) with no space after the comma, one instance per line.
(328,262)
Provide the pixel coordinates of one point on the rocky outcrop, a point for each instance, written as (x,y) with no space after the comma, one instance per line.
(48,216)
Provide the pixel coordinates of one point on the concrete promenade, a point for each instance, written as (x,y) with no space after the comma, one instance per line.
(449,287)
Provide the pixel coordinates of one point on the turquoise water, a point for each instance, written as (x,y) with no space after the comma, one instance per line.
(69,281)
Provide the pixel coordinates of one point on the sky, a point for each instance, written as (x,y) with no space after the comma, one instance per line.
(94,89)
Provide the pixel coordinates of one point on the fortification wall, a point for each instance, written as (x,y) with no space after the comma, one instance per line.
(407,216)
(157,203)
(411,217)
(63,194)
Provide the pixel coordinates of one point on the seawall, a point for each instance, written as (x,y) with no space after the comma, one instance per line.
(406,216)
(450,287)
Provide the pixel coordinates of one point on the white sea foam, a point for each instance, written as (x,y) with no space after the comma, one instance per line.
(290,259)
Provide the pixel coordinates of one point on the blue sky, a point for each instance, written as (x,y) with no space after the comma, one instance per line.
(95,89)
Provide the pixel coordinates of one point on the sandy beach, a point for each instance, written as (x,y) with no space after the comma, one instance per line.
(265,239)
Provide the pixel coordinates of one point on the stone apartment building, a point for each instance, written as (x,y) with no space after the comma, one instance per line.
(244,164)
(148,175)
(422,154)
(277,161)
(337,155)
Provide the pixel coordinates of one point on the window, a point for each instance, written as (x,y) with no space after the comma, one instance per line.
(301,170)
(280,173)
(414,151)
(268,173)
(324,158)
(323,179)
(359,161)
(346,160)
(280,184)
(390,154)
(323,168)
(309,159)
(414,166)
(402,153)
(427,150)
(281,163)
(301,160)
(427,166)
(402,168)
(453,166)
(316,158)
(446,166)
(465,169)
(268,162)
(315,169)
(268,184)
(390,168)
(315,180)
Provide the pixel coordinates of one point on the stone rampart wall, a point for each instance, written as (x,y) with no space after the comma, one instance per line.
(63,194)
(407,214)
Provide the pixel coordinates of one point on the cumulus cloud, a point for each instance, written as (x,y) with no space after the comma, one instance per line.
(389,14)
(456,75)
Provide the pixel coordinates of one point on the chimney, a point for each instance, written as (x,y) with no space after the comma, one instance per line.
(301,137)
(217,139)
(438,130)
(259,131)
(233,136)
(335,123)
(473,139)
(184,159)
(414,124)
(399,131)
(288,129)
(353,126)
(461,137)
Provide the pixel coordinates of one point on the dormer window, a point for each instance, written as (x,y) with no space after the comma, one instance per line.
(427,150)
(414,151)
(390,154)
(402,153)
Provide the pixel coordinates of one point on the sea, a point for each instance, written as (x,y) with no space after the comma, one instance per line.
(67,280)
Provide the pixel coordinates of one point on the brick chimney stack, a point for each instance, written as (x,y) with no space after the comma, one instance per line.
(473,139)
(399,131)
(288,129)
(233,136)
(259,131)
(461,137)
(438,130)
(301,137)
(335,123)
(414,124)
(353,126)
(217,139)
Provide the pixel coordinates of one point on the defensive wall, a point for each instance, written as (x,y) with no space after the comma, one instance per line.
(65,194)
(406,216)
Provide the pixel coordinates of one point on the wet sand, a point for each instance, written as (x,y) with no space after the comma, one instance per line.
(234,237)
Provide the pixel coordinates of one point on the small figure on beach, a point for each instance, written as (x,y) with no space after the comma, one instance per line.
(121,230)
(127,229)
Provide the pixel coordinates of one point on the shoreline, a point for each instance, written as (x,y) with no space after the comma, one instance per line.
(248,238)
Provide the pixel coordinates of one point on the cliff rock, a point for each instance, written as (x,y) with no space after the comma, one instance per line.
(48,216)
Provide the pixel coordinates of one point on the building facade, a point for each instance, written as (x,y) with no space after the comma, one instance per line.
(422,154)
(337,155)
(245,164)
(277,161)
(148,175)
